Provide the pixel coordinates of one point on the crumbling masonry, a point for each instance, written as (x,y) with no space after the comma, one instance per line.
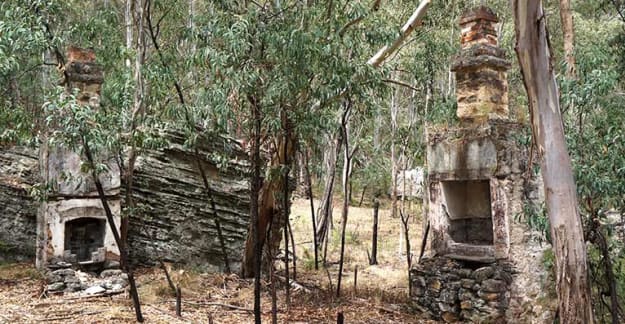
(475,190)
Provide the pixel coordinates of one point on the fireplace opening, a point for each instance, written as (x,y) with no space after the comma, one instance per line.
(83,236)
(468,209)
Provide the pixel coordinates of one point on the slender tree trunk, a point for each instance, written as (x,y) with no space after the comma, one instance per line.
(285,210)
(123,253)
(405,217)
(324,214)
(138,110)
(272,278)
(211,200)
(129,25)
(411,24)
(362,196)
(394,109)
(312,209)
(254,213)
(346,175)
(293,251)
(598,237)
(374,240)
(566,18)
(534,56)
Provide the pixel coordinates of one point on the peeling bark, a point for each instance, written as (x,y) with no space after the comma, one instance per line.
(269,205)
(534,56)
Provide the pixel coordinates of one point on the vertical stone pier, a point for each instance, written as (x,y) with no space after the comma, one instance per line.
(71,225)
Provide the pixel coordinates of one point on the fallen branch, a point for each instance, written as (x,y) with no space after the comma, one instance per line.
(104,294)
(162,312)
(297,286)
(249,310)
(71,316)
(388,310)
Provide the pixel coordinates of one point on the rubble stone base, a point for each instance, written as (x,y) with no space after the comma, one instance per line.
(454,290)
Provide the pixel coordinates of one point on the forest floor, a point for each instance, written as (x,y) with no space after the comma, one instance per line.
(380,296)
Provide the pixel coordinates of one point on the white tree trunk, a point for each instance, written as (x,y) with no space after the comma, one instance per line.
(129,25)
(394,111)
(534,56)
(566,18)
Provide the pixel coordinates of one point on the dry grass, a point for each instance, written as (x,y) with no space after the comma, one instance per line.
(391,271)
(380,296)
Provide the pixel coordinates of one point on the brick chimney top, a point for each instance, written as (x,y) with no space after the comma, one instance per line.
(81,67)
(77,54)
(478,27)
(480,67)
(481,12)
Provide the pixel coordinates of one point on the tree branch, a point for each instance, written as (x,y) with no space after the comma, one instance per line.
(400,83)
(410,25)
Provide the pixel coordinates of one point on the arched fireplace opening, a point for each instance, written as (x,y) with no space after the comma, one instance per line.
(83,237)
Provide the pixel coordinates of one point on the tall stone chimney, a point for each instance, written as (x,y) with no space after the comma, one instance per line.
(481,81)
(71,226)
(474,188)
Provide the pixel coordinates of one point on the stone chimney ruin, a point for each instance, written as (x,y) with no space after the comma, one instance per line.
(71,224)
(475,187)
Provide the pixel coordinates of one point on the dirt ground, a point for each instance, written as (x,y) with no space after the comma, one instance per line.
(380,295)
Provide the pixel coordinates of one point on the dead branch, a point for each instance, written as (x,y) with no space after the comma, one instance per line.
(399,83)
(239,308)
(104,294)
(71,316)
(410,25)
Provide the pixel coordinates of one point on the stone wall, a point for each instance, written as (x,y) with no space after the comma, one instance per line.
(175,220)
(18,210)
(453,290)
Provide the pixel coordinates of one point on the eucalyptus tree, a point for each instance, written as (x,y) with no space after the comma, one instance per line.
(557,171)
(24,62)
(593,120)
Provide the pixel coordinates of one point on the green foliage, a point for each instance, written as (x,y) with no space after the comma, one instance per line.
(594,119)
(549,259)
(536,219)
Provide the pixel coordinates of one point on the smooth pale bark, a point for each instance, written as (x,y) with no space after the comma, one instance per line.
(394,162)
(129,25)
(534,56)
(566,18)
(410,25)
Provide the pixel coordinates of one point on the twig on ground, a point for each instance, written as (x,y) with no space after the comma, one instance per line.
(73,315)
(216,304)
(297,286)
(104,294)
